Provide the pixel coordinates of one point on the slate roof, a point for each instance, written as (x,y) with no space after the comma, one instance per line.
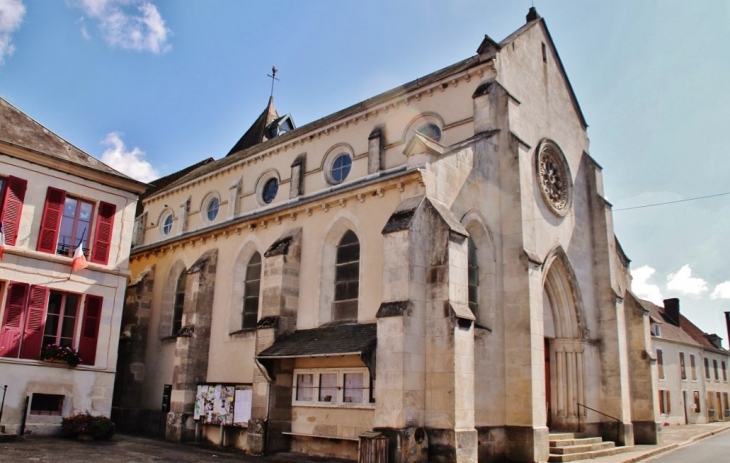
(326,340)
(257,132)
(354,109)
(162,182)
(686,333)
(254,141)
(19,129)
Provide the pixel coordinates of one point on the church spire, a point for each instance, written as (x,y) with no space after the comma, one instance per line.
(257,132)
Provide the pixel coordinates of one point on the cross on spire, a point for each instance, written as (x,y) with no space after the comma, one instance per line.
(273,78)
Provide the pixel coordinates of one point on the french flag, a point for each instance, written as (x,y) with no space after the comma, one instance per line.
(79,260)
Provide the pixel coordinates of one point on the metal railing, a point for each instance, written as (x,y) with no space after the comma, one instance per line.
(618,421)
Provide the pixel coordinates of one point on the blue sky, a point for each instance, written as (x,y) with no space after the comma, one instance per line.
(151,86)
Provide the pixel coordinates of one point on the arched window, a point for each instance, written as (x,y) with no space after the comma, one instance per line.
(473,277)
(347,278)
(177,308)
(251,290)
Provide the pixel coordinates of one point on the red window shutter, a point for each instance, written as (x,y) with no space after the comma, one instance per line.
(51,220)
(103,239)
(13,320)
(35,323)
(90,330)
(12,208)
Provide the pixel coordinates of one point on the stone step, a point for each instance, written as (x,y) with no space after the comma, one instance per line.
(581,448)
(588,455)
(8,436)
(561,435)
(575,441)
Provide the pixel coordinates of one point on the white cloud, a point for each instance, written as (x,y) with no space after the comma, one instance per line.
(128,24)
(722,291)
(684,283)
(641,286)
(11,16)
(131,162)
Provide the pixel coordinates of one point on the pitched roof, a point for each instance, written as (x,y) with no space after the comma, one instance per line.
(257,132)
(326,340)
(686,333)
(254,140)
(21,130)
(236,156)
(162,182)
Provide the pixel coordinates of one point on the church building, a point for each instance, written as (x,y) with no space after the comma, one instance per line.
(436,263)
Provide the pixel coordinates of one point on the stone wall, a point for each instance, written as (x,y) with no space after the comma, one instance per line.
(191,348)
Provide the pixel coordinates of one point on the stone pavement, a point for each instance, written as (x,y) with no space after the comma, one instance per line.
(674,437)
(124,448)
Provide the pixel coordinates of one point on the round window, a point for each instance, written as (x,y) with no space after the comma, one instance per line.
(271,187)
(167,224)
(211,209)
(432,131)
(341,167)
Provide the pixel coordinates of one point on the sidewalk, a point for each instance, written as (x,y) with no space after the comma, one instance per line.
(674,437)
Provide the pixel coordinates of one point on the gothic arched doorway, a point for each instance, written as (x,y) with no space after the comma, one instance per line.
(564,360)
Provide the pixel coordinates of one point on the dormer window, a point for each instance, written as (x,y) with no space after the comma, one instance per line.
(280,126)
(656,330)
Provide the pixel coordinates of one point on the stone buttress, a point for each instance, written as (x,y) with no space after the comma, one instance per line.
(191,347)
(425,351)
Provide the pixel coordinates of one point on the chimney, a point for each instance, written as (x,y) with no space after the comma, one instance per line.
(727,324)
(532,14)
(671,309)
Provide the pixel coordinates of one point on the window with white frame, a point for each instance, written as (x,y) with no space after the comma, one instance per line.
(344,387)
(656,330)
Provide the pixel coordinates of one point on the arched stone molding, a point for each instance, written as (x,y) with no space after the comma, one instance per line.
(421,119)
(245,252)
(487,261)
(329,158)
(558,275)
(339,225)
(564,326)
(168,299)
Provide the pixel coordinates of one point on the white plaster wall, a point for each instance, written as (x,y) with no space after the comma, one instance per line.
(674,383)
(86,387)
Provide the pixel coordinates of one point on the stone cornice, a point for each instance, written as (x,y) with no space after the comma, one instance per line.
(72,168)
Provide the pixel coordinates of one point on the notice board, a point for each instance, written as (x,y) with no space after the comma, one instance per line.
(223,404)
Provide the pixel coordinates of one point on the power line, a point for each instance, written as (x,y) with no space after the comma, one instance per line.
(672,202)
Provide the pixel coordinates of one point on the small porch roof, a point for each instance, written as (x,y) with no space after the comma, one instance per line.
(350,339)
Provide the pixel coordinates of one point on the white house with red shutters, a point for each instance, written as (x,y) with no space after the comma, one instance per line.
(60,329)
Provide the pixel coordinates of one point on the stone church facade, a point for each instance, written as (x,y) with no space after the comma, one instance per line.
(436,263)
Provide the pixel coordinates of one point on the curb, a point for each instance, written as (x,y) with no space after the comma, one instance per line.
(670,447)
